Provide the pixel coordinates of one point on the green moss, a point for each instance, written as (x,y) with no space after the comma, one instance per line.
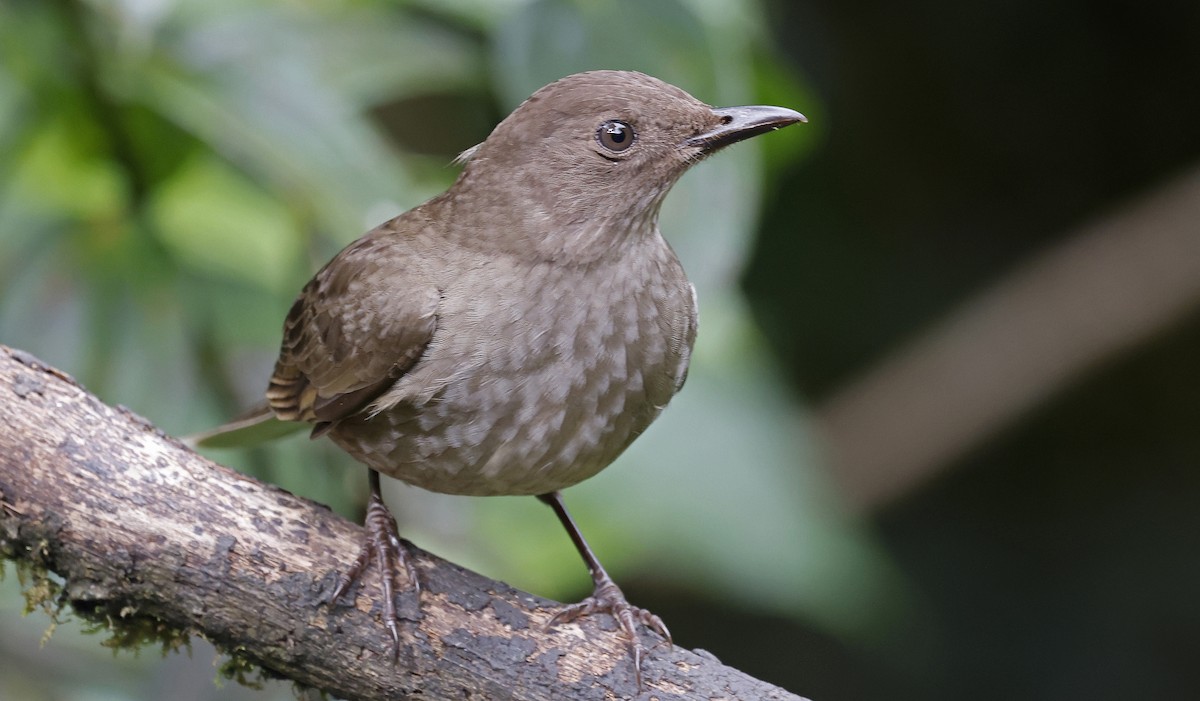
(240,667)
(40,588)
(129,630)
(125,625)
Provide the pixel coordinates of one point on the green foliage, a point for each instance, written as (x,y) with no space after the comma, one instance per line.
(213,220)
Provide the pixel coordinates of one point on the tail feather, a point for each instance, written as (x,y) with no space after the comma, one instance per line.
(256,425)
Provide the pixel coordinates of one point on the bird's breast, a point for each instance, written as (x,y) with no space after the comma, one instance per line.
(539,375)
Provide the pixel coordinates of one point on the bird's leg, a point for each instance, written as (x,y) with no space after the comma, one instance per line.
(382,541)
(607,596)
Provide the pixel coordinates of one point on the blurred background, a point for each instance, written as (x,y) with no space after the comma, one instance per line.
(940,436)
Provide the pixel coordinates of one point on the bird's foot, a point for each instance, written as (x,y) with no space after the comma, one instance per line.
(383,542)
(608,598)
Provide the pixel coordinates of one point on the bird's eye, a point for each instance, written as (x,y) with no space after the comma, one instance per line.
(615,135)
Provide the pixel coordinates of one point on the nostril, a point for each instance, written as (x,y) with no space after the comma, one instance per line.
(726,119)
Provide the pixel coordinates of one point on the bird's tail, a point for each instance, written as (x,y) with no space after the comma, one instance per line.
(253,426)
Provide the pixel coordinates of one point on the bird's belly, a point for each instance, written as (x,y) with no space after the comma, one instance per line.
(552,405)
(506,434)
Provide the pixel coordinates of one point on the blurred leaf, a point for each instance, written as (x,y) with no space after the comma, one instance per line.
(549,39)
(61,171)
(282,93)
(408,55)
(213,219)
(776,86)
(478,14)
(14,109)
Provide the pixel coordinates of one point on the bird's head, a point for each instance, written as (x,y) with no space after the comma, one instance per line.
(604,147)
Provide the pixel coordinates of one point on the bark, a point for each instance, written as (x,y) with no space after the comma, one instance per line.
(160,543)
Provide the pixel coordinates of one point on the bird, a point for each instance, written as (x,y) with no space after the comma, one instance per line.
(514,334)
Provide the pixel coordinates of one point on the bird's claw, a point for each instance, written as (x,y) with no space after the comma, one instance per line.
(608,598)
(383,542)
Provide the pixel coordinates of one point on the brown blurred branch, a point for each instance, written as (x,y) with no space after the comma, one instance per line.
(1107,288)
(152,537)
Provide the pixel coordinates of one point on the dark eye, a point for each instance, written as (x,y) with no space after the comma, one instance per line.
(615,136)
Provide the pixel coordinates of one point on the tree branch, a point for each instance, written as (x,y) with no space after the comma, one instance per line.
(149,536)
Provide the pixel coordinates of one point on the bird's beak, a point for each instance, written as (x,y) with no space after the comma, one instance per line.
(739,123)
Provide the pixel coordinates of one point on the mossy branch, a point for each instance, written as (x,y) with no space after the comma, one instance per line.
(157,543)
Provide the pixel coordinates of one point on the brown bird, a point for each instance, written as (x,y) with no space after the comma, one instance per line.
(514,334)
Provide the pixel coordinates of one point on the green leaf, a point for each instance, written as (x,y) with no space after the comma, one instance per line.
(214,220)
(61,172)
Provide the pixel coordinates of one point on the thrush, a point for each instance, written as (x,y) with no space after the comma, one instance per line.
(513,335)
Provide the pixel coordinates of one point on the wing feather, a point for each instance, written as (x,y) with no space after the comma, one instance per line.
(359,325)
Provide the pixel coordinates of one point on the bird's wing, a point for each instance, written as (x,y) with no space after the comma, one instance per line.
(361,323)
